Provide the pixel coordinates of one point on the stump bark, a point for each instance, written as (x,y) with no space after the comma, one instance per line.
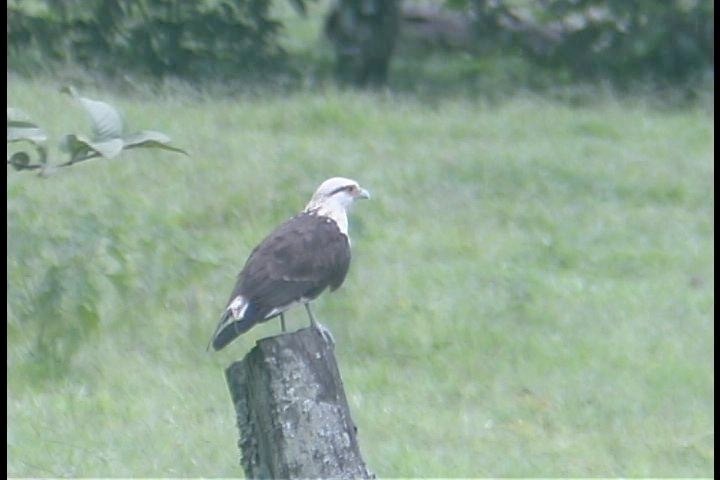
(292,412)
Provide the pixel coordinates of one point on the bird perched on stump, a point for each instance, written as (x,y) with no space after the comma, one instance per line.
(294,264)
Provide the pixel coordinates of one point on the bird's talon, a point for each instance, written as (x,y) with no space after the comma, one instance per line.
(325,332)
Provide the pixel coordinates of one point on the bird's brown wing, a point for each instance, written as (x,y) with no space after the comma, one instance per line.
(301,258)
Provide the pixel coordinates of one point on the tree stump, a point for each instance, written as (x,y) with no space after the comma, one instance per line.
(292,412)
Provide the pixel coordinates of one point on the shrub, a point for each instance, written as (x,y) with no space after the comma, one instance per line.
(620,39)
(189,39)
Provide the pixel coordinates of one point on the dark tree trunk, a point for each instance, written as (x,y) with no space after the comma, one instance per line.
(292,413)
(363,33)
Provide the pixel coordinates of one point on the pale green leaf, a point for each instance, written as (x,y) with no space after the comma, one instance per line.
(19,128)
(74,145)
(79,146)
(151,139)
(19,160)
(108,148)
(107,122)
(33,135)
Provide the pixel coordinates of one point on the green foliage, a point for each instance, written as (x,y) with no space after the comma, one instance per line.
(63,310)
(670,40)
(191,39)
(531,291)
(616,39)
(21,129)
(108,138)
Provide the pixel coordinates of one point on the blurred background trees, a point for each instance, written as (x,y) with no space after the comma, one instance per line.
(155,37)
(363,34)
(613,39)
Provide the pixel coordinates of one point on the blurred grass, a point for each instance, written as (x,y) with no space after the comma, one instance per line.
(531,292)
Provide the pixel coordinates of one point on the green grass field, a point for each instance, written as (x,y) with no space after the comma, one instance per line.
(531,292)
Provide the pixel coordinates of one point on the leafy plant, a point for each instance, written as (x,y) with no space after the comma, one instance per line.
(21,129)
(108,138)
(159,38)
(618,39)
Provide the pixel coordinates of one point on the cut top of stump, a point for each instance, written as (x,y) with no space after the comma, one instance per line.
(292,412)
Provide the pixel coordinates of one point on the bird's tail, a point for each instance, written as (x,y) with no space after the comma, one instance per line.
(230,327)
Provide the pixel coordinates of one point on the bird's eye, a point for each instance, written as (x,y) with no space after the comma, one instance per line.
(344,188)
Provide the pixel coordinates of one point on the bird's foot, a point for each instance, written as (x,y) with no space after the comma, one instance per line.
(325,332)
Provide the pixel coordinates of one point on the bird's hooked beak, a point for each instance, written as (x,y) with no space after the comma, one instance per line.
(362,193)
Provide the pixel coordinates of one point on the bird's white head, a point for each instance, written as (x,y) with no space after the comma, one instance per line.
(334,197)
(340,191)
